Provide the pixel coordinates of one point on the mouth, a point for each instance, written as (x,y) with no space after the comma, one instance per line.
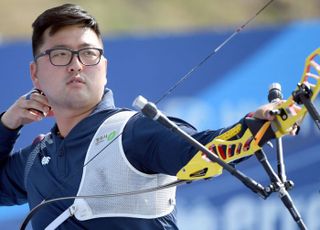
(76,80)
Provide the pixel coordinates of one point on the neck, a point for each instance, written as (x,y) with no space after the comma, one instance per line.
(66,120)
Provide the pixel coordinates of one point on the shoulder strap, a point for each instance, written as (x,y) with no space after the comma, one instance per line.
(39,144)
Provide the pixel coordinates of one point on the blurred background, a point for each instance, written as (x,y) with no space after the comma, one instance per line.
(150,44)
(148,17)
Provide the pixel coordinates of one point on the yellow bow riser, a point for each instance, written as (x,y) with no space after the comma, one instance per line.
(200,167)
(229,147)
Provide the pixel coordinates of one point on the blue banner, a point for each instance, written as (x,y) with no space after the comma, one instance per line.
(232,83)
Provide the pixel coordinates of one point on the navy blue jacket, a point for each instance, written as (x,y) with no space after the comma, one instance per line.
(149,147)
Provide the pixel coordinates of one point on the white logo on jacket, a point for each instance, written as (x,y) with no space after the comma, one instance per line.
(45,160)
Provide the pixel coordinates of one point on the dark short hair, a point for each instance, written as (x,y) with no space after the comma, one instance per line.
(58,17)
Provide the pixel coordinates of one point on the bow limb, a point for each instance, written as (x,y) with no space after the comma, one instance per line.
(291,113)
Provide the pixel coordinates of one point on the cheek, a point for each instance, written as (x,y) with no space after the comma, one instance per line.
(46,81)
(101,82)
(36,83)
(43,80)
(104,80)
(102,75)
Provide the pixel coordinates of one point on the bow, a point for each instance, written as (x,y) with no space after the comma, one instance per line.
(167,93)
(289,114)
(210,160)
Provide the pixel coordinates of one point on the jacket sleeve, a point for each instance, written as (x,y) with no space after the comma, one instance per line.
(8,138)
(12,166)
(152,148)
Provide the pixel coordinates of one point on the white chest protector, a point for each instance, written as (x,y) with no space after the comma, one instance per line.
(110,173)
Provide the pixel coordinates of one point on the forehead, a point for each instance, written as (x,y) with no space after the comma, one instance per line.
(73,37)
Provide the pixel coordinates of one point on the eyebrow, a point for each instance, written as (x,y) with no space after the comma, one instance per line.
(83,45)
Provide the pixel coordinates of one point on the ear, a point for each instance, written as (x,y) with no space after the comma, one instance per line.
(33,74)
(105,63)
(106,67)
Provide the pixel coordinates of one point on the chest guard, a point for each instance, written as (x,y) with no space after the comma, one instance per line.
(111,173)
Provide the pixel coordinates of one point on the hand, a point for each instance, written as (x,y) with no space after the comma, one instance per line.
(264,113)
(28,108)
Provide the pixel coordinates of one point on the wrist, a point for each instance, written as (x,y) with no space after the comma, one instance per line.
(13,127)
(251,114)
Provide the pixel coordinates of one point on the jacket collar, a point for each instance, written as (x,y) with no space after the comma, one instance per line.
(106,102)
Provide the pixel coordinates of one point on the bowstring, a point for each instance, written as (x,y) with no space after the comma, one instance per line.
(213,53)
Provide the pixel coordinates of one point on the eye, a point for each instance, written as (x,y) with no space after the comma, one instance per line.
(59,53)
(90,53)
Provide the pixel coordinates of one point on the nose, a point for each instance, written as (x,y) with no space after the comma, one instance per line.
(75,65)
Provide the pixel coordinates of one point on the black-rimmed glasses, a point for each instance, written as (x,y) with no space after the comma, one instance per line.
(64,56)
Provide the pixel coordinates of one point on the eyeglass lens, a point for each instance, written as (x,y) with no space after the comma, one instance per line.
(88,56)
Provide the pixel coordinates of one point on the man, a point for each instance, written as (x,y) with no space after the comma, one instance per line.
(69,76)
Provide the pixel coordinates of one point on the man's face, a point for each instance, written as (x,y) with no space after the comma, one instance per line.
(74,86)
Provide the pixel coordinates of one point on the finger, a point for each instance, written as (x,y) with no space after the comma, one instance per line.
(38,96)
(32,115)
(35,105)
(37,102)
(40,102)
(28,95)
(264,113)
(269,115)
(297,108)
(50,114)
(294,130)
